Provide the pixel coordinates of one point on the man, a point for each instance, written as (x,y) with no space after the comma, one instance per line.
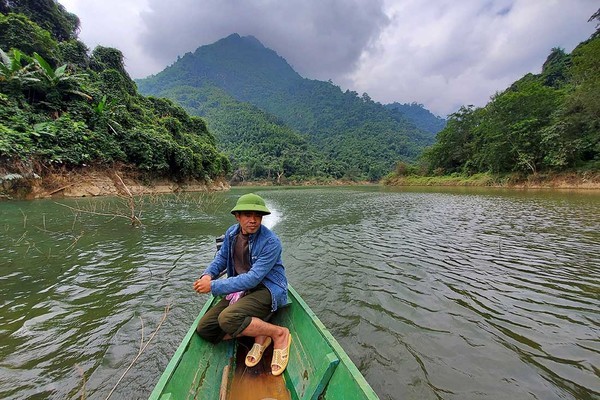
(251,255)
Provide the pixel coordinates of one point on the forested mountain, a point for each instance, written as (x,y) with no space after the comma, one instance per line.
(259,145)
(352,134)
(64,107)
(420,116)
(547,122)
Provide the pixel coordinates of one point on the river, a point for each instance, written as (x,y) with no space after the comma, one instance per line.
(434,293)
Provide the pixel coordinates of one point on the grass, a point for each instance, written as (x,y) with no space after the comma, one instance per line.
(444,180)
(573,179)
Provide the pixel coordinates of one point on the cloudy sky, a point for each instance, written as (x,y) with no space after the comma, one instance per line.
(441,53)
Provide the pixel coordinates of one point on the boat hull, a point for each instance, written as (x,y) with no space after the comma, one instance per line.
(318,367)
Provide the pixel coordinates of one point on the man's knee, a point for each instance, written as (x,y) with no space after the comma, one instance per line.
(232,322)
(203,330)
(209,330)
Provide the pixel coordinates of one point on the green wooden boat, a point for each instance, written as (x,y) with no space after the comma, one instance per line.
(318,367)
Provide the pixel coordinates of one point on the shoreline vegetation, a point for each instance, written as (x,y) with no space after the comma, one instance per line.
(74,123)
(558,180)
(94,182)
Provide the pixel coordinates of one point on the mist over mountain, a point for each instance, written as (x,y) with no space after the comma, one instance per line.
(351,135)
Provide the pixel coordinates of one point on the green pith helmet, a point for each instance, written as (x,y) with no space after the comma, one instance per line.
(251,202)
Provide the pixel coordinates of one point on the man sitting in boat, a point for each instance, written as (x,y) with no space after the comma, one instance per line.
(251,255)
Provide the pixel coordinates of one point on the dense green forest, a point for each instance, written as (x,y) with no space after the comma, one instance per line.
(62,106)
(259,145)
(542,123)
(420,116)
(236,109)
(352,136)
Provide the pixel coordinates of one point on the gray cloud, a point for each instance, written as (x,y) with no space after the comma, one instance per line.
(441,53)
(459,53)
(320,39)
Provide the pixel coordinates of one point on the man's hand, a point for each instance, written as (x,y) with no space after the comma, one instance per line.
(202,285)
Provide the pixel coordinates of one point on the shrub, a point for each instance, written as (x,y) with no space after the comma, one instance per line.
(19,32)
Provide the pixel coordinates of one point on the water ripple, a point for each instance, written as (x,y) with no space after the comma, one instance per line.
(454,295)
(487,294)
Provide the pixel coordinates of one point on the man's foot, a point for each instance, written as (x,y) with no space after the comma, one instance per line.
(281,352)
(258,348)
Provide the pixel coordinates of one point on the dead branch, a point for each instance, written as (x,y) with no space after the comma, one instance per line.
(60,188)
(24,219)
(124,187)
(75,241)
(22,237)
(130,201)
(79,210)
(174,265)
(82,373)
(74,221)
(143,347)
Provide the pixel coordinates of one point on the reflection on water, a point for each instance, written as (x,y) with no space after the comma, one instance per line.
(455,294)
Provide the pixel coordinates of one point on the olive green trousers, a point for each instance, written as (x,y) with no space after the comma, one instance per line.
(232,319)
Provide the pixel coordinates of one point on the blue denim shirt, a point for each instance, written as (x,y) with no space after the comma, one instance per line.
(266,266)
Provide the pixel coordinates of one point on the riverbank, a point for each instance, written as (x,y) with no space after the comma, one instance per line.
(311,182)
(91,182)
(571,180)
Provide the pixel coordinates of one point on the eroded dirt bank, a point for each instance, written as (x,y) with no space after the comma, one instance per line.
(94,182)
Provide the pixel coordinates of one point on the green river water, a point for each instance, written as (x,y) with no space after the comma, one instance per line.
(434,294)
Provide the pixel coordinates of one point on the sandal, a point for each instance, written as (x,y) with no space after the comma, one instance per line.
(281,358)
(257,351)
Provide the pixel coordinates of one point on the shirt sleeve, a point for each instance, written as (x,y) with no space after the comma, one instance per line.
(261,266)
(219,263)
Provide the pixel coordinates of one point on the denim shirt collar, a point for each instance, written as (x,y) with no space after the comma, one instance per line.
(252,237)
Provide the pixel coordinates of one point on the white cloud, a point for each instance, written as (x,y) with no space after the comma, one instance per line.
(457,53)
(441,53)
(118,24)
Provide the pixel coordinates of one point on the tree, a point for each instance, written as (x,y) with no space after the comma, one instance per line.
(596,16)
(454,148)
(12,71)
(574,138)
(19,32)
(514,125)
(48,14)
(53,110)
(56,82)
(555,68)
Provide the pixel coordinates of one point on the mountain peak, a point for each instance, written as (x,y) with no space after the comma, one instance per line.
(220,80)
(235,63)
(246,40)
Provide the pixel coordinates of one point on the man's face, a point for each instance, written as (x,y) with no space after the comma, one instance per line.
(249,221)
